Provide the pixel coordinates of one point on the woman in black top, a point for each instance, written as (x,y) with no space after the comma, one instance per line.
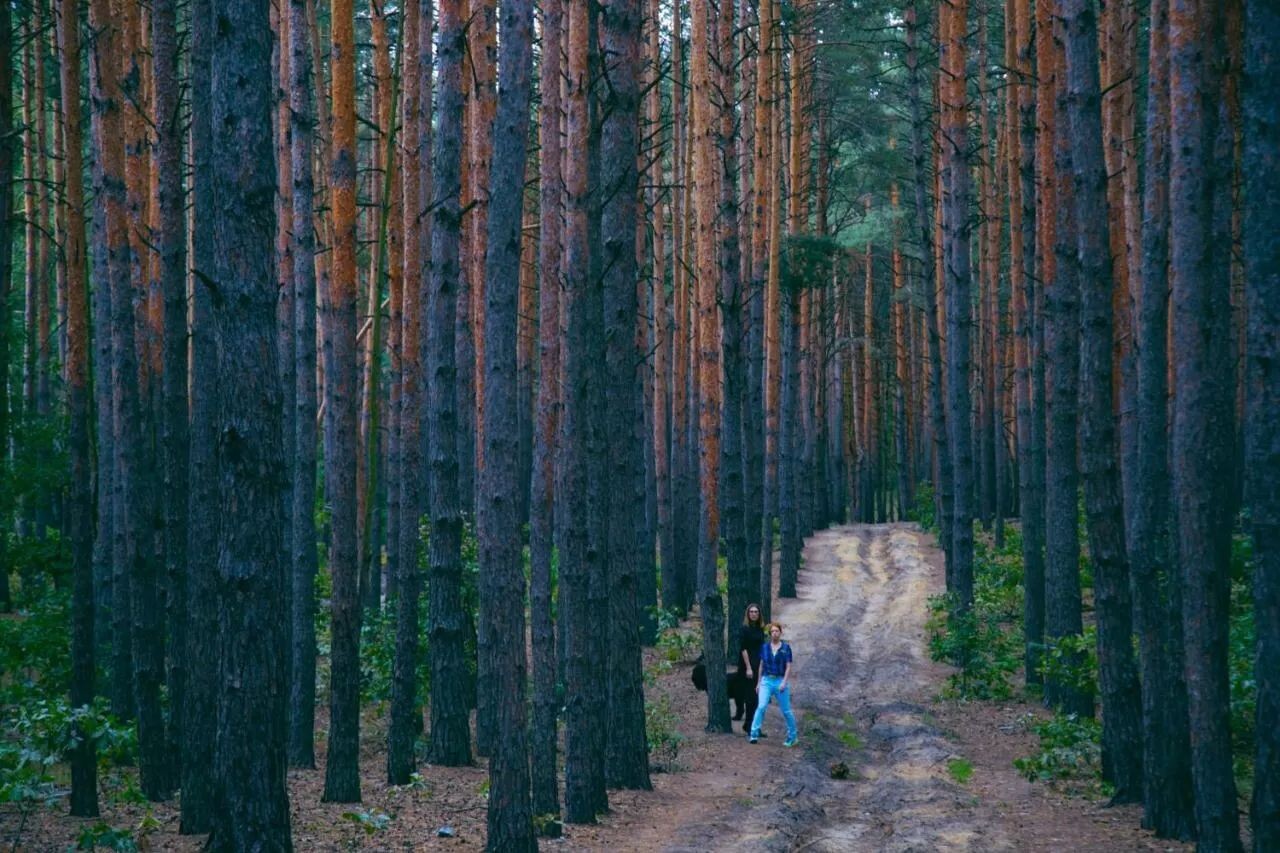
(751,638)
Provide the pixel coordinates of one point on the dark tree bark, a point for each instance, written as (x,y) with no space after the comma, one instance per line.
(707,358)
(510,821)
(542,502)
(342,770)
(303,565)
(680,595)
(955,189)
(1262,437)
(84,764)
(403,484)
(171,246)
(1028,396)
(596,376)
(627,756)
(1167,796)
(924,225)
(741,589)
(138,512)
(450,727)
(251,579)
(789,550)
(1104,507)
(1062,351)
(753,415)
(287,341)
(1203,428)
(199,727)
(585,795)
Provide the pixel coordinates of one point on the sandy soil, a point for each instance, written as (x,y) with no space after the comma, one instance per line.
(865,695)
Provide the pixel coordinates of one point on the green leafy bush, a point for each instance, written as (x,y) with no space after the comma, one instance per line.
(924,512)
(984,654)
(1070,749)
(1072,661)
(661,734)
(675,644)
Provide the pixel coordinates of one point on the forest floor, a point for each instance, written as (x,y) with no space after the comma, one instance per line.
(866,696)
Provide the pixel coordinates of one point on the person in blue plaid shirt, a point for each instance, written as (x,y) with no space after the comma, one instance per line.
(775,676)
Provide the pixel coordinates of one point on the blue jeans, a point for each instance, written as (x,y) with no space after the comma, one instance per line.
(769,685)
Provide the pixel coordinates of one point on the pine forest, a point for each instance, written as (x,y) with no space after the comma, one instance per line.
(403,401)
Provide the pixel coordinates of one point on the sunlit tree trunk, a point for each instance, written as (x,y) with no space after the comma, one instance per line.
(342,772)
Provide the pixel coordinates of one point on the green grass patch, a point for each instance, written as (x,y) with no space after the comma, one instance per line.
(960,769)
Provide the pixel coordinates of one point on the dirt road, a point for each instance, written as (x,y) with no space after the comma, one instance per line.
(863,682)
(866,698)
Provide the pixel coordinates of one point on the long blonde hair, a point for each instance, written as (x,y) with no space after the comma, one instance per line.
(746,617)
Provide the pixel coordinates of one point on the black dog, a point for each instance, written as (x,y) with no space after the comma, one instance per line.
(738,686)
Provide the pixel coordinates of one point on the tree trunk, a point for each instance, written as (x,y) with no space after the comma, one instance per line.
(684,549)
(342,770)
(955,184)
(702,140)
(510,824)
(542,503)
(1104,506)
(584,773)
(199,729)
(1167,795)
(450,726)
(304,559)
(789,552)
(627,760)
(924,223)
(1024,286)
(1262,438)
(741,590)
(753,419)
(171,245)
(1202,408)
(404,483)
(83,758)
(251,571)
(1062,330)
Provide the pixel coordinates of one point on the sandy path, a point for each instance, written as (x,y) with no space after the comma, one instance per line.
(862,683)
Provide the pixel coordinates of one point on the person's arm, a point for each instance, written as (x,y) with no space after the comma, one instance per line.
(743,652)
(786,673)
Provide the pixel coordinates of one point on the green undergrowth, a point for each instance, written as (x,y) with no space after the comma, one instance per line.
(986,647)
(39,728)
(676,644)
(985,643)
